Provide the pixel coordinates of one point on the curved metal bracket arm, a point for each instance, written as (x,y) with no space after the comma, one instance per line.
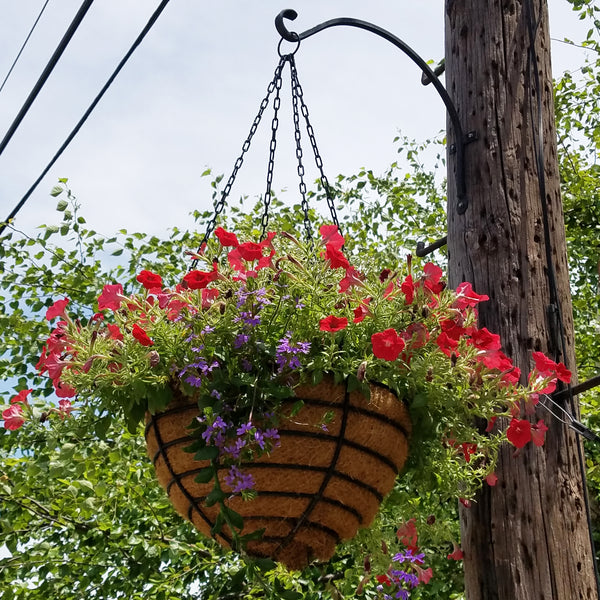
(291,36)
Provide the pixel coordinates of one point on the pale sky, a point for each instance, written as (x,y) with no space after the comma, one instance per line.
(187,97)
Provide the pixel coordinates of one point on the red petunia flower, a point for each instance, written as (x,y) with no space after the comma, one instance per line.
(457,553)
(361,311)
(336,257)
(114,332)
(467,297)
(13,417)
(446,344)
(150,280)
(250,251)
(62,390)
(538,433)
(226,238)
(483,339)
(416,335)
(519,432)
(198,280)
(57,309)
(383,579)
(333,323)
(491,479)
(387,344)
(468,449)
(331,236)
(491,424)
(21,397)
(563,373)
(407,534)
(408,289)
(433,275)
(141,336)
(65,407)
(353,279)
(208,297)
(111,297)
(425,575)
(548,368)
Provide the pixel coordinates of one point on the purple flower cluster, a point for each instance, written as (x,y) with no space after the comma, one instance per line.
(287,353)
(239,481)
(201,367)
(403,580)
(233,441)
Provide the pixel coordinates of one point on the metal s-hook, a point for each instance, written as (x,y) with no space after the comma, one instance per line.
(291,14)
(461,140)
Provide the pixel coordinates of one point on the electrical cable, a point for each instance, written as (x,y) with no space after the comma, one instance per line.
(46,72)
(87,113)
(23,46)
(552,283)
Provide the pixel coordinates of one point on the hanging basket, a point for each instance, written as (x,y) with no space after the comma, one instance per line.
(314,490)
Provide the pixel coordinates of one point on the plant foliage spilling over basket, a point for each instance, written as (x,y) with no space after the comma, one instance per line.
(276,383)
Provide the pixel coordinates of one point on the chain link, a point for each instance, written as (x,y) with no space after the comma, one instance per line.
(299,153)
(272,147)
(220,204)
(313,143)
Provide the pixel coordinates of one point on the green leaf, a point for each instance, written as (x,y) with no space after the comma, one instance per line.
(207,453)
(62,205)
(218,526)
(215,496)
(205,475)
(234,518)
(57,190)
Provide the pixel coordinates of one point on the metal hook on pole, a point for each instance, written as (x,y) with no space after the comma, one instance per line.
(461,139)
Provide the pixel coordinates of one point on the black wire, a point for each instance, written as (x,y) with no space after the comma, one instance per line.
(552,284)
(24,44)
(87,113)
(46,72)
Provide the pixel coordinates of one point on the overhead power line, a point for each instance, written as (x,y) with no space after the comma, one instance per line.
(46,72)
(23,46)
(87,113)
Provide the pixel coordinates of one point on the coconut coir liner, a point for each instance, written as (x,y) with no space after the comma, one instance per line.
(313,491)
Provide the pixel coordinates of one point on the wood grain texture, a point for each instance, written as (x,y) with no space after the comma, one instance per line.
(527,538)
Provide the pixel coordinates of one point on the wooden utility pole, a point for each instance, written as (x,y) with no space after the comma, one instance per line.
(527,538)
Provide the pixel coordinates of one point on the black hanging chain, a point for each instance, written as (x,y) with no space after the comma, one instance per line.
(299,153)
(272,147)
(313,142)
(220,204)
(299,107)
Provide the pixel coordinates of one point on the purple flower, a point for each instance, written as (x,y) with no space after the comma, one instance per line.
(244,428)
(238,481)
(194,380)
(408,556)
(258,436)
(217,428)
(287,353)
(240,340)
(207,329)
(271,433)
(250,319)
(246,365)
(235,449)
